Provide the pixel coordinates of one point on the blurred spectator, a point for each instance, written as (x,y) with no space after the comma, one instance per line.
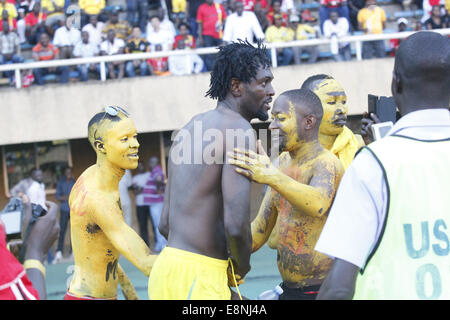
(185,36)
(287,6)
(12,22)
(94,28)
(63,189)
(427,8)
(10,8)
(91,7)
(276,9)
(159,36)
(210,18)
(142,209)
(230,6)
(137,44)
(55,12)
(65,38)
(121,29)
(86,49)
(164,23)
(297,31)
(354,6)
(372,20)
(35,24)
(113,45)
(402,24)
(159,66)
(328,5)
(189,63)
(178,10)
(279,33)
(45,51)
(249,5)
(9,49)
(137,13)
(338,27)
(154,197)
(36,190)
(261,15)
(436,21)
(192,18)
(242,25)
(21,25)
(417,25)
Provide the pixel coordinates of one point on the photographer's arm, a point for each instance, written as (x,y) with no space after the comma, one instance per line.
(42,236)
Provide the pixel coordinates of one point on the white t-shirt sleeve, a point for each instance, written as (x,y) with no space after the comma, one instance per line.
(327,28)
(356,217)
(57,40)
(256,27)
(228,30)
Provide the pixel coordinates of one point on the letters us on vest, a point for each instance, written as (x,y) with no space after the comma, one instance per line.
(428,276)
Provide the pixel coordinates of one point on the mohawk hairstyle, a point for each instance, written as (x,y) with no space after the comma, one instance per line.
(95,121)
(309,82)
(239,60)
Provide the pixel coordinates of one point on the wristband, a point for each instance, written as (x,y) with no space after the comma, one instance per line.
(34,264)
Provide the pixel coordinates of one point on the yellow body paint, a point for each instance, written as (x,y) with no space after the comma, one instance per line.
(333,134)
(300,195)
(99,232)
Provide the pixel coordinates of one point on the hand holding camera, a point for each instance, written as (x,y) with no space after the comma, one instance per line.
(44,232)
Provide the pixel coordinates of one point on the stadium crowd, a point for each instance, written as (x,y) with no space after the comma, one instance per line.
(106,28)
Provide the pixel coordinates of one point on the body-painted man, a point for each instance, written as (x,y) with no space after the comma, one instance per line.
(99,232)
(300,194)
(206,213)
(334,135)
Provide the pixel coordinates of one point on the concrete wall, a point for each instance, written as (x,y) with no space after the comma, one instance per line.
(57,111)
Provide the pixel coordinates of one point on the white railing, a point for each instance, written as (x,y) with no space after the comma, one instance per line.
(357,39)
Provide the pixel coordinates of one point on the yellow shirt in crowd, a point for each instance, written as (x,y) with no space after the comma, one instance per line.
(303,32)
(48,4)
(92,6)
(10,8)
(372,19)
(274,34)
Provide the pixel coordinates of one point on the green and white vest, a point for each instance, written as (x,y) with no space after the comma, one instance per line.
(411,259)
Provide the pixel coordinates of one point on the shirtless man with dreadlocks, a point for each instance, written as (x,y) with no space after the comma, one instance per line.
(206,214)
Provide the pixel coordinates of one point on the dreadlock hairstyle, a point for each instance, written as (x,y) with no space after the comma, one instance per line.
(239,60)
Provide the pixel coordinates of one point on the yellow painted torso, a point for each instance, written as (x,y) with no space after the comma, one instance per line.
(297,233)
(96,259)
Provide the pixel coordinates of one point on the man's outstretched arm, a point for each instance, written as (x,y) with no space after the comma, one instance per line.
(340,282)
(313,199)
(110,219)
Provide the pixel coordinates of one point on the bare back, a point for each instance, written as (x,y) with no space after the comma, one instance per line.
(202,186)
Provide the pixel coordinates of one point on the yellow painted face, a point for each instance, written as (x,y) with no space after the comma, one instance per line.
(285,120)
(120,143)
(334,104)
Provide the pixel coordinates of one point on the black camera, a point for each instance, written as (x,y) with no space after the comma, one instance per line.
(12,216)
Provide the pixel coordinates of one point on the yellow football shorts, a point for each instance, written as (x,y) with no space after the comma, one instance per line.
(180,275)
